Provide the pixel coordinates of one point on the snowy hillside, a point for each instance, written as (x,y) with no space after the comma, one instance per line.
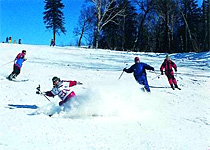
(112,114)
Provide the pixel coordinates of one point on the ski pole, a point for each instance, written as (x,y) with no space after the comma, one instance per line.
(40,92)
(8,63)
(158,76)
(121,75)
(45,97)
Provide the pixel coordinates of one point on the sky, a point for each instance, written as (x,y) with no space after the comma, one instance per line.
(23,19)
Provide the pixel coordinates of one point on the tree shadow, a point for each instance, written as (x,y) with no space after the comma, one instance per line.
(11,106)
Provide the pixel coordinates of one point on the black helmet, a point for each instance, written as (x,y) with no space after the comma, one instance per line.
(55,79)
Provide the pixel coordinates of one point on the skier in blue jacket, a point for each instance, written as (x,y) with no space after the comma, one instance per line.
(139,72)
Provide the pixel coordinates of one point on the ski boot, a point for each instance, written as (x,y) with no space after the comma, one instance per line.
(172,87)
(11,76)
(176,86)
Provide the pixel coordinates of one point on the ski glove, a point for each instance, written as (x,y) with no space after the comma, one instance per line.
(161,72)
(175,69)
(124,69)
(79,83)
(38,92)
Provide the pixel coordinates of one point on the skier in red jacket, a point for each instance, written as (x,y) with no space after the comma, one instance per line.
(18,62)
(167,65)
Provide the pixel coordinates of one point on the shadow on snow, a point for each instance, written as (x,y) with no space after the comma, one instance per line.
(11,106)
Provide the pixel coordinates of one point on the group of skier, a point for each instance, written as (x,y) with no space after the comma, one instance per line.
(9,40)
(139,72)
(62,87)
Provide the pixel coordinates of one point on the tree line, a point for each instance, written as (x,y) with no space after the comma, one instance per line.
(167,26)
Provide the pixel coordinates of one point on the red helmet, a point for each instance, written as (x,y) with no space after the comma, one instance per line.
(136,59)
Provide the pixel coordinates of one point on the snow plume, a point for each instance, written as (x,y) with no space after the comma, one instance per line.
(103,101)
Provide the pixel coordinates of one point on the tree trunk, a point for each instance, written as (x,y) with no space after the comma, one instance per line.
(54,35)
(98,22)
(209,26)
(81,35)
(185,28)
(166,45)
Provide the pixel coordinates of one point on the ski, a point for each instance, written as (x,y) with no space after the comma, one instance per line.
(159,87)
(23,80)
(178,88)
(16,80)
(164,87)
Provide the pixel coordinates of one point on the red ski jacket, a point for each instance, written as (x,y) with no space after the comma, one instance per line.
(168,65)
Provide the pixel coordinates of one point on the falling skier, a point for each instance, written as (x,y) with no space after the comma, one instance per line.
(62,89)
(139,72)
(18,62)
(168,65)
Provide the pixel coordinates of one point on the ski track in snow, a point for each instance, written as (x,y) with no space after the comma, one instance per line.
(108,113)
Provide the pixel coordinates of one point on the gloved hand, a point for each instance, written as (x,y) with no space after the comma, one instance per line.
(124,69)
(79,83)
(161,72)
(153,69)
(38,92)
(175,69)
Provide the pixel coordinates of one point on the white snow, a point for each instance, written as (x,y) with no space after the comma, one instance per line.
(125,117)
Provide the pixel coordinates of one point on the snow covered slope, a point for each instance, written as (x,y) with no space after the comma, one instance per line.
(113,114)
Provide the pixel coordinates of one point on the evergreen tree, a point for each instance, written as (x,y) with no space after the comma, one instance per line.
(206,24)
(53,16)
(130,26)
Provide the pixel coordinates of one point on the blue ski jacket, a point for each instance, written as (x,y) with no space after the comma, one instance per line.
(139,70)
(19,60)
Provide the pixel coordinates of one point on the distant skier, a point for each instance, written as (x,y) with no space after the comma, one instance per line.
(167,65)
(52,43)
(62,89)
(139,72)
(7,40)
(18,62)
(10,39)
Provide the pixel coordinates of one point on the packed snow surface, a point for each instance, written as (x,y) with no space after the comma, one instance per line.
(108,113)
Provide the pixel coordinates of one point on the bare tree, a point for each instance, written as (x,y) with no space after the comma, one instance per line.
(145,6)
(193,41)
(208,24)
(106,11)
(84,23)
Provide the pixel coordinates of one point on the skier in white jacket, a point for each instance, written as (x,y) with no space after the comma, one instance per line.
(62,89)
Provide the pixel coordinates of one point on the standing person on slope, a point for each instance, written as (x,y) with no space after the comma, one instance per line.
(62,89)
(139,72)
(167,65)
(18,62)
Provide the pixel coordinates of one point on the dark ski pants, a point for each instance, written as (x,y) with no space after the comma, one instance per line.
(171,79)
(16,70)
(143,81)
